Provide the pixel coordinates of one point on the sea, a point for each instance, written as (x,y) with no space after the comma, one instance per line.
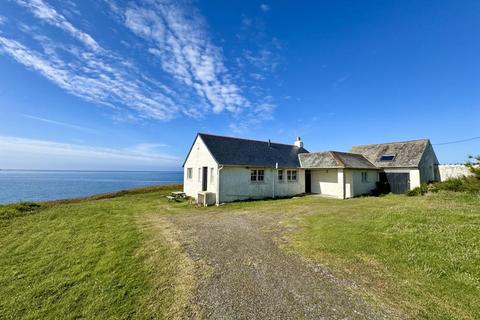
(42,185)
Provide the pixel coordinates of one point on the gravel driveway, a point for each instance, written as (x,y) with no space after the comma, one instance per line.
(243,274)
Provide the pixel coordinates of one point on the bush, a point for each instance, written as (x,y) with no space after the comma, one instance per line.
(469,184)
(419,191)
(18,209)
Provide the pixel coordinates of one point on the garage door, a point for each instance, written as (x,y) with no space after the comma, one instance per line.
(398,182)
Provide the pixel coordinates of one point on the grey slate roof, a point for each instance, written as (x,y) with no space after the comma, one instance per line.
(236,151)
(334,159)
(407,153)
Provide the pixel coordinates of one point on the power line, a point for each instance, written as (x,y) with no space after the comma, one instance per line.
(457,141)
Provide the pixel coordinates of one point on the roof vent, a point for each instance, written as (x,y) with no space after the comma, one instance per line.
(299,142)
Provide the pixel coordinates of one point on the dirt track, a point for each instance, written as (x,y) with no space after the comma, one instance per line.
(243,274)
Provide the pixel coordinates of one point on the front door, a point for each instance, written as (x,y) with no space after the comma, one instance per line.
(308,181)
(204,178)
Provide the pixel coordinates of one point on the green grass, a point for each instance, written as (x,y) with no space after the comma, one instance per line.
(92,258)
(112,257)
(418,255)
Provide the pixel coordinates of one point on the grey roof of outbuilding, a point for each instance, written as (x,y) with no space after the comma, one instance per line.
(236,151)
(408,154)
(334,159)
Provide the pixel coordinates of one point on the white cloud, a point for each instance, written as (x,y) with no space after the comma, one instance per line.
(3,20)
(60,123)
(178,39)
(48,14)
(93,76)
(264,7)
(22,153)
(195,79)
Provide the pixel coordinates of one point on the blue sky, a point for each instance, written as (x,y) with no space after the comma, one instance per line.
(127,84)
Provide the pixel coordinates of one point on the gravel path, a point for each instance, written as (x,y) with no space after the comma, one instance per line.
(243,274)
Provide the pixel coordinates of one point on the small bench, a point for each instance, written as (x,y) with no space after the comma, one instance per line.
(171,198)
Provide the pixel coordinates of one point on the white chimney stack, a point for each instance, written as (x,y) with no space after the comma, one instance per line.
(299,142)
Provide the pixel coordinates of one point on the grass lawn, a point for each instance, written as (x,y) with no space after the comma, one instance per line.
(101,259)
(111,257)
(420,255)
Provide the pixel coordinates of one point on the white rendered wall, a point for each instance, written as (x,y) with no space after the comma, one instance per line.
(235,184)
(449,171)
(428,166)
(325,182)
(360,187)
(198,158)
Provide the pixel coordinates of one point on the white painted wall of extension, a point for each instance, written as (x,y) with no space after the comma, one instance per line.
(363,187)
(325,182)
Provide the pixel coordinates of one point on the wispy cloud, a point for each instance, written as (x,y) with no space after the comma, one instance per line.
(60,123)
(48,14)
(44,153)
(338,82)
(264,7)
(3,20)
(178,39)
(188,75)
(93,77)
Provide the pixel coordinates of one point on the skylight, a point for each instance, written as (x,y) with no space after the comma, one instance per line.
(387,157)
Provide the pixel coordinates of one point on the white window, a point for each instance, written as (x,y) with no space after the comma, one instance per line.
(292,175)
(189,173)
(364,176)
(257,175)
(261,174)
(212,173)
(253,175)
(199,174)
(280,175)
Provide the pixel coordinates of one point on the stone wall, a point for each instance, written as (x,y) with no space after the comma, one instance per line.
(448,171)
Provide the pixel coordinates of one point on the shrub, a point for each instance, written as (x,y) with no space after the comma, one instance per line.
(18,209)
(419,191)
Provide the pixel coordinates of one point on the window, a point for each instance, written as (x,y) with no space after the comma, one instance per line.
(292,175)
(387,157)
(199,175)
(280,175)
(189,173)
(212,173)
(261,174)
(257,175)
(253,175)
(364,176)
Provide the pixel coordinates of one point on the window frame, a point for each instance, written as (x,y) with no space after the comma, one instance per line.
(280,175)
(262,175)
(189,173)
(253,175)
(390,157)
(364,176)
(292,175)
(257,175)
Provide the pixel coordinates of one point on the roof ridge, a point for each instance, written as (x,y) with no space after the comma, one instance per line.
(394,142)
(245,139)
(335,156)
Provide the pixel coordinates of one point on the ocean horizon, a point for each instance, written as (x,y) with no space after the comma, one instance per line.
(42,185)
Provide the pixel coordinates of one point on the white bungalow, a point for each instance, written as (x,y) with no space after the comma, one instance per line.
(223,169)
